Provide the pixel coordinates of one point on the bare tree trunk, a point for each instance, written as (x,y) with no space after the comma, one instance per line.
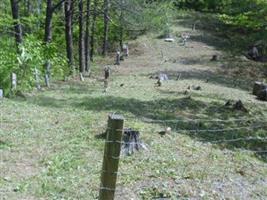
(106,23)
(39,7)
(48,22)
(17,25)
(92,41)
(69,33)
(48,34)
(87,35)
(121,28)
(81,38)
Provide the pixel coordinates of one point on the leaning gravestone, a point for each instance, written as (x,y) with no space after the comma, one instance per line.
(1,93)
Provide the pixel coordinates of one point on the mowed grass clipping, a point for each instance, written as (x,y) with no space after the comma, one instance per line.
(50,149)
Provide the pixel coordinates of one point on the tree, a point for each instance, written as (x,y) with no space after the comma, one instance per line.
(93,29)
(87,36)
(81,38)
(106,23)
(69,33)
(17,25)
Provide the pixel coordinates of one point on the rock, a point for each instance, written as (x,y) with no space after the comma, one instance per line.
(239,106)
(197,88)
(262,95)
(258,87)
(214,58)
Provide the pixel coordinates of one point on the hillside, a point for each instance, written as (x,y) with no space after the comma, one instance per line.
(50,149)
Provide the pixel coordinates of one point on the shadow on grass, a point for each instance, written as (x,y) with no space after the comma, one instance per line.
(171,109)
(211,31)
(211,77)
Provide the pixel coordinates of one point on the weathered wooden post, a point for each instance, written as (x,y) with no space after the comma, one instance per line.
(111,157)
(118,56)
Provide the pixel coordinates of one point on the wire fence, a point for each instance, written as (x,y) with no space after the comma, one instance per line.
(192,160)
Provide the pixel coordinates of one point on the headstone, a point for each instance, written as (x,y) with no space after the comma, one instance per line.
(163,77)
(125,50)
(1,93)
(47,83)
(13,81)
(185,37)
(118,56)
(81,77)
(37,79)
(105,85)
(106,72)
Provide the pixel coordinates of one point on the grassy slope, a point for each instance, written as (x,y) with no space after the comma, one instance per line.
(49,149)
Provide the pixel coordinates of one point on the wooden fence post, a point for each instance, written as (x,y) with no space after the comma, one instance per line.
(111,157)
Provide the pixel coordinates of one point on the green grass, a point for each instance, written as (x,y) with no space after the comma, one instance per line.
(50,149)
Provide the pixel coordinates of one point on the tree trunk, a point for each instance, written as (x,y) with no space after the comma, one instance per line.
(69,33)
(81,38)
(17,25)
(106,23)
(39,7)
(121,27)
(92,41)
(87,35)
(48,22)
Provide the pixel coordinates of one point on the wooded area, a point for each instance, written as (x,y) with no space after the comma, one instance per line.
(41,29)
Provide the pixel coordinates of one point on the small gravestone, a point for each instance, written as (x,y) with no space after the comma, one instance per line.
(1,93)
(185,37)
(106,72)
(125,50)
(81,77)
(118,56)
(163,77)
(47,81)
(131,142)
(13,81)
(37,79)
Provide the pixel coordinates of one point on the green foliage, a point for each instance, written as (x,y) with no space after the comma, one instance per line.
(8,63)
(31,56)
